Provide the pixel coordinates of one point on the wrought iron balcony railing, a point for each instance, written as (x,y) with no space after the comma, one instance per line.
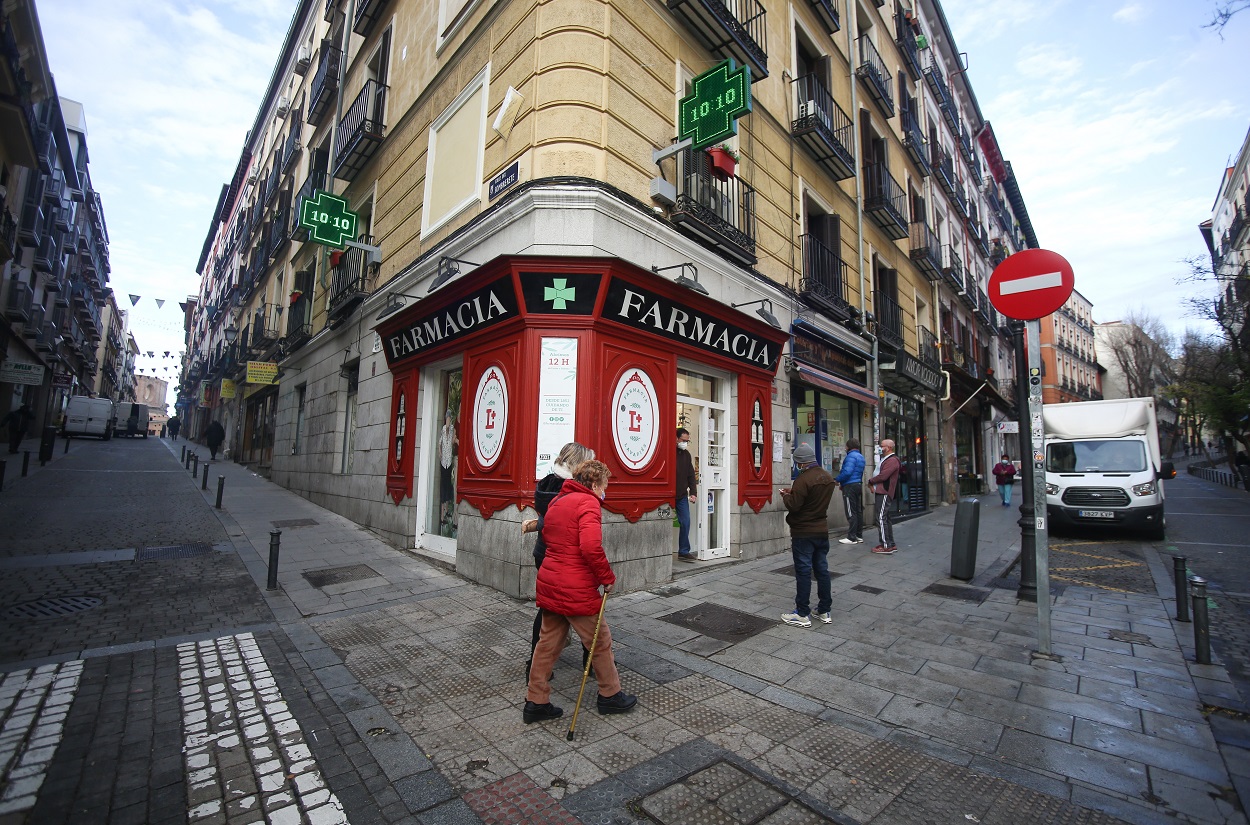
(299,322)
(944,170)
(889,320)
(953,268)
(926,250)
(325,83)
(719,213)
(316,180)
(913,137)
(360,133)
(824,281)
(823,128)
(905,38)
(872,70)
(729,28)
(352,282)
(929,348)
(885,201)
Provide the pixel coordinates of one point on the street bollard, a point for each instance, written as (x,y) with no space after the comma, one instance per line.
(183,456)
(204,483)
(66,450)
(195,464)
(275,541)
(186,461)
(3,464)
(221,486)
(1202,624)
(25,462)
(1182,591)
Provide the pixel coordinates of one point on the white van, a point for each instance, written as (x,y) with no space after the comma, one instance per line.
(131,419)
(88,416)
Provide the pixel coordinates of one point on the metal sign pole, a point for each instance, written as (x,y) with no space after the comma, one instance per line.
(1041,550)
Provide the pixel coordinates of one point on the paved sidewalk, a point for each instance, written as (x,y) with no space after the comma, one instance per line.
(922,701)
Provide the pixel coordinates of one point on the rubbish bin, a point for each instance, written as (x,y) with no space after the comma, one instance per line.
(47,443)
(964,539)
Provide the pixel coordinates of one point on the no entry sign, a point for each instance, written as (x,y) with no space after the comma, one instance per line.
(1031,284)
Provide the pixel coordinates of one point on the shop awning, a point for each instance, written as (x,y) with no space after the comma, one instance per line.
(831,382)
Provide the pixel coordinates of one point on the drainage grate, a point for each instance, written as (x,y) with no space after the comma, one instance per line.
(788,570)
(52,608)
(294,522)
(723,623)
(340,575)
(863,588)
(953,591)
(175,551)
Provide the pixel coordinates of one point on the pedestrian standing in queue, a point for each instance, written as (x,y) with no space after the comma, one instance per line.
(807,503)
(568,591)
(884,483)
(687,492)
(571,456)
(850,479)
(213,437)
(1005,477)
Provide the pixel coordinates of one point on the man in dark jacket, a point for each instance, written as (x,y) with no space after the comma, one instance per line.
(687,488)
(884,483)
(808,505)
(850,479)
(213,436)
(18,421)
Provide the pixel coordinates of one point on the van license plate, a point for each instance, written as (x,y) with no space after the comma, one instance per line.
(1095,514)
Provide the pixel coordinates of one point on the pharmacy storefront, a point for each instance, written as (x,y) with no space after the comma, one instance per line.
(494,372)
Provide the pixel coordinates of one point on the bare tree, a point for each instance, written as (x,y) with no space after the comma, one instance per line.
(1225,11)
(1140,349)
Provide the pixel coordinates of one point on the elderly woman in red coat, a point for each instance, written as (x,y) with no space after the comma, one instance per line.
(568,592)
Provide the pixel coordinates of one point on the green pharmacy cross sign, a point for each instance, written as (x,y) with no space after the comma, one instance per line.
(328,218)
(710,113)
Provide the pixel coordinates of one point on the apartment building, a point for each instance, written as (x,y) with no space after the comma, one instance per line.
(1227,234)
(110,351)
(1071,369)
(53,241)
(538,259)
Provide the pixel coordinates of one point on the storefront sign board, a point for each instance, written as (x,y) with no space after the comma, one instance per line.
(19,372)
(227,388)
(485,307)
(557,400)
(635,419)
(490,416)
(262,372)
(710,113)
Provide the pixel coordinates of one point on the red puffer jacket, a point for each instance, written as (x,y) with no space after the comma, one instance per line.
(575,565)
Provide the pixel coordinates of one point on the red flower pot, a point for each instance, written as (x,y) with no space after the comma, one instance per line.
(723,163)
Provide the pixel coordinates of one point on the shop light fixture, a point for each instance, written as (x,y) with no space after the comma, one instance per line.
(232,333)
(682,280)
(765,312)
(448,268)
(394,303)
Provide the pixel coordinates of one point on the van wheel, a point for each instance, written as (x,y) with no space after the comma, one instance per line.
(145,436)
(1157,533)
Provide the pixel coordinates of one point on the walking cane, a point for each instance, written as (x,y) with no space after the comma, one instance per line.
(586,670)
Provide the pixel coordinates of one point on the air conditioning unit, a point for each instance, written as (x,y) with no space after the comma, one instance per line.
(284,106)
(303,60)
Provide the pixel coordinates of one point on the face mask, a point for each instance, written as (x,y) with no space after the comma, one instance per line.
(683,445)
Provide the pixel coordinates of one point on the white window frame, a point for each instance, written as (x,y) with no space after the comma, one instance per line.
(481,82)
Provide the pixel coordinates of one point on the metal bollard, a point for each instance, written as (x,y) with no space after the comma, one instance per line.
(204,483)
(221,486)
(195,464)
(25,462)
(1182,591)
(3,464)
(183,455)
(275,541)
(66,450)
(186,461)
(1202,624)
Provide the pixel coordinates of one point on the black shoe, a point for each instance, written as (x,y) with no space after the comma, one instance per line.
(537,713)
(687,557)
(620,702)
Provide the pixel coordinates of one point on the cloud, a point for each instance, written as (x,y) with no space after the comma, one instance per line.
(1129,13)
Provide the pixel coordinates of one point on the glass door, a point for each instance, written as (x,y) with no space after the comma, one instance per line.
(702,411)
(437,474)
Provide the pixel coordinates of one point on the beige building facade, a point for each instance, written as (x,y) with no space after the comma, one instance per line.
(843,261)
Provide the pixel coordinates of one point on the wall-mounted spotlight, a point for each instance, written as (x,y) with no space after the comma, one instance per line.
(448,268)
(765,312)
(394,303)
(688,283)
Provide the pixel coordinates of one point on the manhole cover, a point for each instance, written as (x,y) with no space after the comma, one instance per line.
(863,588)
(294,522)
(1131,638)
(723,623)
(175,551)
(340,575)
(788,570)
(954,591)
(52,608)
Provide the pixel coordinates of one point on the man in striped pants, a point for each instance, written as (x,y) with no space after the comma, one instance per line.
(884,483)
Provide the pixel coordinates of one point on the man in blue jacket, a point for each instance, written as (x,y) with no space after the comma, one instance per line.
(850,480)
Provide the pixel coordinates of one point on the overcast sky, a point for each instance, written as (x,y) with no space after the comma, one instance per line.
(1119,117)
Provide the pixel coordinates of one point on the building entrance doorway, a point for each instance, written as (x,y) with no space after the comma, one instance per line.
(702,409)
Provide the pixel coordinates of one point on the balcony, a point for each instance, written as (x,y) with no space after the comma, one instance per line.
(360,133)
(905,38)
(299,322)
(913,139)
(30,330)
(824,281)
(316,180)
(965,144)
(8,235)
(720,214)
(291,148)
(352,280)
(959,200)
(827,11)
(47,250)
(885,201)
(279,228)
(1238,225)
(969,295)
(889,321)
(325,85)
(926,250)
(823,128)
(31,227)
(876,76)
(20,302)
(734,29)
(271,183)
(984,311)
(929,348)
(953,269)
(367,13)
(944,170)
(46,337)
(263,332)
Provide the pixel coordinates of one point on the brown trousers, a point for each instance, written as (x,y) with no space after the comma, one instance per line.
(553,639)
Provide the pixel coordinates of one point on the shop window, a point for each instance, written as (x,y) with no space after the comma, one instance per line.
(454,161)
(441,519)
(823,420)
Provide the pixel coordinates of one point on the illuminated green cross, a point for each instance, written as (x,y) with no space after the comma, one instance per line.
(328,218)
(709,114)
(559,293)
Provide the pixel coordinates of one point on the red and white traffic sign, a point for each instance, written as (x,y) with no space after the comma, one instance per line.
(1031,284)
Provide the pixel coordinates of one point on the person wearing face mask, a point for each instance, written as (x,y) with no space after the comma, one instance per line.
(567,590)
(687,490)
(807,503)
(1005,476)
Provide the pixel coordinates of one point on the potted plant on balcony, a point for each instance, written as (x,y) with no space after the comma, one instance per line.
(724,161)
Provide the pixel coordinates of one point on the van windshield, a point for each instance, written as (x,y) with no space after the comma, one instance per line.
(1096,457)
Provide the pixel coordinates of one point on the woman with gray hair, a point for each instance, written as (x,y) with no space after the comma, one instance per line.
(570,458)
